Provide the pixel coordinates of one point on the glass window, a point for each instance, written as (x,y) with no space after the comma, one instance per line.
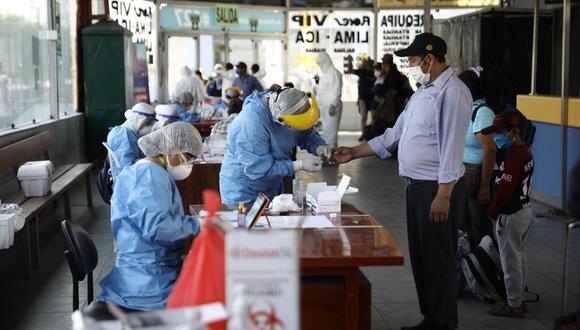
(250,2)
(24,63)
(66,55)
(181,51)
(241,50)
(271,60)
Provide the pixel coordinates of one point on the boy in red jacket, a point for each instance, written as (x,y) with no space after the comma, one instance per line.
(511,209)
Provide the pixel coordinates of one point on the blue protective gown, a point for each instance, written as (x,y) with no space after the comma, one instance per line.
(257,155)
(188,117)
(150,228)
(123,141)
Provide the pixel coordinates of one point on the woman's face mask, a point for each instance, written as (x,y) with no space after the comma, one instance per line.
(181,171)
(378,73)
(502,141)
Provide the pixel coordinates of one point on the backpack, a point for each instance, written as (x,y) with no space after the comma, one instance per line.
(482,271)
(474,112)
(104,177)
(105,182)
(463,250)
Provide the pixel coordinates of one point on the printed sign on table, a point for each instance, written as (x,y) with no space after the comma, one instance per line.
(262,279)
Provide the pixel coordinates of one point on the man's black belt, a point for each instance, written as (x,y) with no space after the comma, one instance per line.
(415,181)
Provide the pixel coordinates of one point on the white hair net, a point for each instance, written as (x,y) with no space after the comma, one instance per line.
(288,101)
(140,118)
(166,114)
(173,139)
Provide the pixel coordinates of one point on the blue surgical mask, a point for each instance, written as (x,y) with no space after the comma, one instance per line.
(238,72)
(502,141)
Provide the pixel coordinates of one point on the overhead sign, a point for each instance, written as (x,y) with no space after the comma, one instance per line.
(135,16)
(339,33)
(262,279)
(398,28)
(191,17)
(438,3)
(227,15)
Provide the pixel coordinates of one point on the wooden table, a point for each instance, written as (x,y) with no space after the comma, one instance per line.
(204,175)
(334,293)
(204,127)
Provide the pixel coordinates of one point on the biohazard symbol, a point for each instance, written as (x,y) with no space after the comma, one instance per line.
(265,318)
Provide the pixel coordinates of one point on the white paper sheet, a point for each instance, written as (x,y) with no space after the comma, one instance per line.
(343,185)
(225,215)
(295,221)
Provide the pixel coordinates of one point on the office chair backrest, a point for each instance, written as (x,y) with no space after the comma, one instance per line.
(83,252)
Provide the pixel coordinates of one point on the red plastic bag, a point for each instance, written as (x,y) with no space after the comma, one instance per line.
(202,277)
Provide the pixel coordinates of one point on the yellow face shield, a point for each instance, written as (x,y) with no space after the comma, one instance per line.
(306,119)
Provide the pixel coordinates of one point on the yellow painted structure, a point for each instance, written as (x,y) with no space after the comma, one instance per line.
(546,109)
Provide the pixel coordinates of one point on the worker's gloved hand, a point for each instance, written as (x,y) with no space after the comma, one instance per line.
(310,165)
(324,151)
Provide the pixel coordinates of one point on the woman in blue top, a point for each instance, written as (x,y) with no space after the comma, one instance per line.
(478,158)
(148,222)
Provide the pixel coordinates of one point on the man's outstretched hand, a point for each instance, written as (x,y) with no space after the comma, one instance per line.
(342,155)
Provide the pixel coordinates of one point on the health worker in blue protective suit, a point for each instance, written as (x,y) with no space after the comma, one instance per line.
(122,140)
(148,222)
(259,142)
(184,102)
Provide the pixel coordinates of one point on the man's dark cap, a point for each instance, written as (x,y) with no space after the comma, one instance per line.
(241,65)
(424,43)
(507,121)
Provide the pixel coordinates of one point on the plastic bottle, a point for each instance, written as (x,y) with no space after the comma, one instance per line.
(241,215)
(298,190)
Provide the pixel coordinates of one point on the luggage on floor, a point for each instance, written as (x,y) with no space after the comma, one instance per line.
(483,273)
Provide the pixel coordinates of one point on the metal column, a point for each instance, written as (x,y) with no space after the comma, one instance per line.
(535,47)
(427,25)
(376,33)
(286,40)
(564,103)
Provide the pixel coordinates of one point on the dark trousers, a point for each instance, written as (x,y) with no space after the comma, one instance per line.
(475,220)
(432,251)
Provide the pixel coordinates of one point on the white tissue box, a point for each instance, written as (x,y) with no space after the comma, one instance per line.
(34,178)
(6,230)
(322,198)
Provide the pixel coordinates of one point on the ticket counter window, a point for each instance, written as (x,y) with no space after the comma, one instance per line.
(180,51)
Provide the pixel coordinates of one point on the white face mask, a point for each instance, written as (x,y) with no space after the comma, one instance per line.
(378,74)
(179,172)
(418,75)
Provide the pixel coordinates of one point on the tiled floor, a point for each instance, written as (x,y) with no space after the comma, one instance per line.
(45,301)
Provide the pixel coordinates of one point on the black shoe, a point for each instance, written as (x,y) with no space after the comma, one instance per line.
(421,326)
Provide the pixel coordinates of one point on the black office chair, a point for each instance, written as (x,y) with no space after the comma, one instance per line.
(82,258)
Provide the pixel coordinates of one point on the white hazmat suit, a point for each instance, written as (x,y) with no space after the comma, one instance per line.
(328,95)
(228,77)
(190,83)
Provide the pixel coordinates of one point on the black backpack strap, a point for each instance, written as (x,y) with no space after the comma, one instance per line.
(474,112)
